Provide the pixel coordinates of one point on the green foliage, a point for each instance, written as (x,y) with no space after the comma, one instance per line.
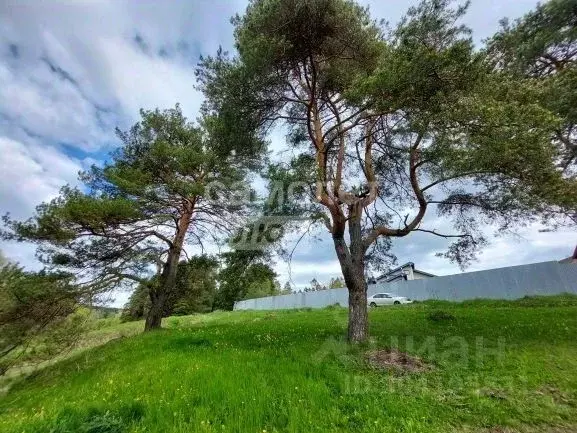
(170,185)
(336,283)
(342,32)
(194,291)
(501,365)
(540,43)
(195,286)
(259,280)
(542,48)
(39,315)
(287,289)
(245,274)
(402,123)
(138,304)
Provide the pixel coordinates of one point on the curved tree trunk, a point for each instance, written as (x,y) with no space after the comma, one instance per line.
(159,294)
(154,316)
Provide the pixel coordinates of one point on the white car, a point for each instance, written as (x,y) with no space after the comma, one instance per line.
(386,299)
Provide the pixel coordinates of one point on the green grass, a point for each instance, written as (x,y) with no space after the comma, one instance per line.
(97,332)
(495,364)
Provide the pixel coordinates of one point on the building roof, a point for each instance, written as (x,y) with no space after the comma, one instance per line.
(393,274)
(570,259)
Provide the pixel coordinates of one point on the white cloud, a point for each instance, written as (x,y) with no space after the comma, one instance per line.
(71,72)
(49,107)
(140,81)
(76,58)
(31,174)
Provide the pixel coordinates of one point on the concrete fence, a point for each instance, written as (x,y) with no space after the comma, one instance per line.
(546,278)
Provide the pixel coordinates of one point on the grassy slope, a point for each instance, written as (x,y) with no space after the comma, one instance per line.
(99,332)
(292,371)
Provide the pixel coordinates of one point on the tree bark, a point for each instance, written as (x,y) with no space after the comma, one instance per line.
(358,331)
(352,263)
(154,316)
(160,293)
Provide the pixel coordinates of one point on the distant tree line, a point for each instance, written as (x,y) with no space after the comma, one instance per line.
(205,283)
(315,286)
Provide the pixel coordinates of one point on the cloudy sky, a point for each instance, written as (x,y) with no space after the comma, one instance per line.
(71,71)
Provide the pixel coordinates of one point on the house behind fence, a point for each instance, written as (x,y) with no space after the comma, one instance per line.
(546,278)
(404,272)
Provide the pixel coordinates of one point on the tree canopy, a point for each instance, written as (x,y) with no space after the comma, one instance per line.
(169,185)
(245,274)
(387,127)
(542,46)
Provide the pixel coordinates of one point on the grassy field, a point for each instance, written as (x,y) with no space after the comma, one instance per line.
(492,367)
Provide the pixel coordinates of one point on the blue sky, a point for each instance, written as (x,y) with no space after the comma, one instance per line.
(70,72)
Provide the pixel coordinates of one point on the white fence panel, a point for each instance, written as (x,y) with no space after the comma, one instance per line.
(546,278)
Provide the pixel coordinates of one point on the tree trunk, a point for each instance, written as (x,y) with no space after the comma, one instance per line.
(352,263)
(154,316)
(358,315)
(160,293)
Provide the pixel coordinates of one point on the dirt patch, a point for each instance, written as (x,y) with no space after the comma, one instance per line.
(557,395)
(399,362)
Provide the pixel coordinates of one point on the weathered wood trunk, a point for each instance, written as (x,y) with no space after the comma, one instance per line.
(154,316)
(159,294)
(352,261)
(358,331)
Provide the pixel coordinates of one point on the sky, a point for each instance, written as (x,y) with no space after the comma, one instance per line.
(71,72)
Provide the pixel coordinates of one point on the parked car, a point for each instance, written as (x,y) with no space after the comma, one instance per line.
(386,299)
